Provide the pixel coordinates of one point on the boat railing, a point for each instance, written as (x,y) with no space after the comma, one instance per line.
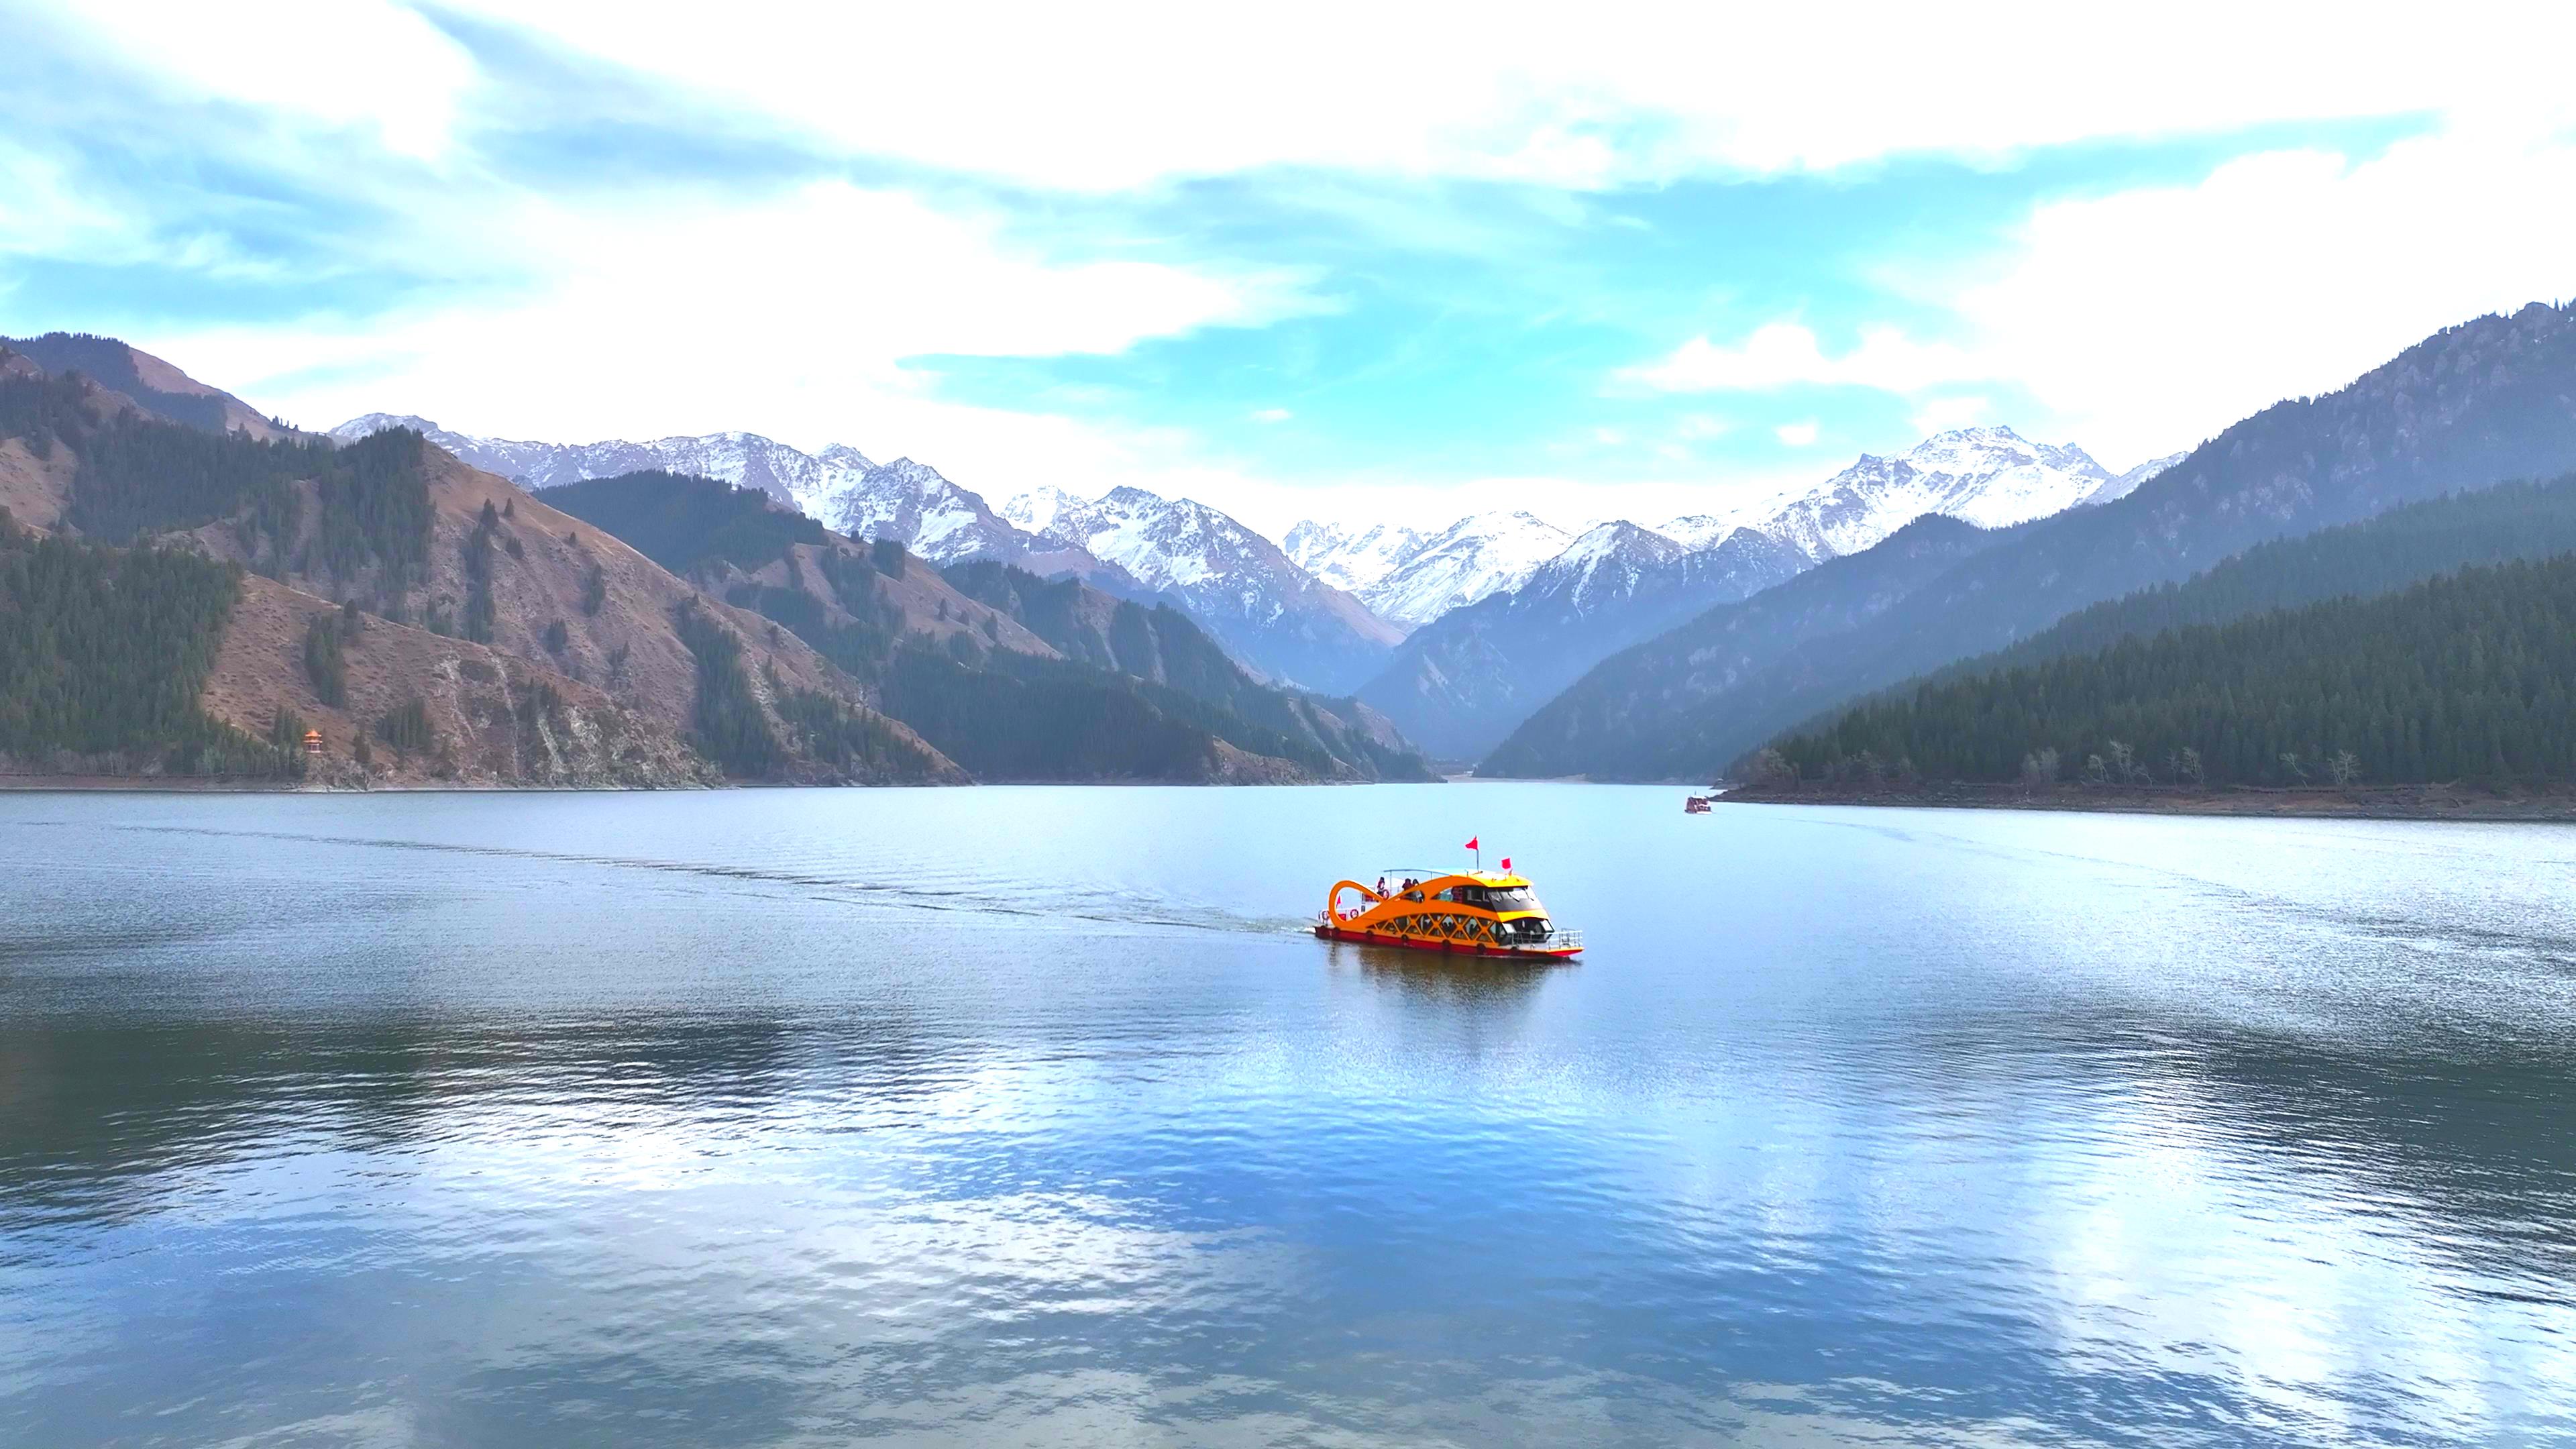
(1560,939)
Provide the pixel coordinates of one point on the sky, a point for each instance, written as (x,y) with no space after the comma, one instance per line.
(1342,261)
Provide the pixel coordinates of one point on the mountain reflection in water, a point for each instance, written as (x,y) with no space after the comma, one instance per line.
(777,1117)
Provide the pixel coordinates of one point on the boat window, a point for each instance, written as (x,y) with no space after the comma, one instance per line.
(1517,898)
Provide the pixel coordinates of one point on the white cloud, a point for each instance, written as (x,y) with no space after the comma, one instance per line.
(43,214)
(336,63)
(1131,94)
(1784,354)
(1942,414)
(1111,97)
(1271,415)
(793,316)
(2150,319)
(2139,321)
(2146,320)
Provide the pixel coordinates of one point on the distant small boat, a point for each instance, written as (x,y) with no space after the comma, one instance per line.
(1470,913)
(1695,805)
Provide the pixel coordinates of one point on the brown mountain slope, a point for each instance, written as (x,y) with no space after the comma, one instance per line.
(916,601)
(541,566)
(1013,676)
(412,535)
(33,488)
(145,380)
(493,719)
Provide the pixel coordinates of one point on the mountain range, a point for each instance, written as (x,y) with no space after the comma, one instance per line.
(429,620)
(1011,676)
(1461,684)
(838,487)
(1990,476)
(1343,606)
(2471,406)
(1410,577)
(1275,617)
(684,632)
(1240,584)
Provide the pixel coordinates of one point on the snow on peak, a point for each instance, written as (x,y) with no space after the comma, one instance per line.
(1351,558)
(839,486)
(2127,483)
(1605,562)
(1411,577)
(1696,531)
(1038,509)
(1229,575)
(1989,476)
(367,425)
(1165,543)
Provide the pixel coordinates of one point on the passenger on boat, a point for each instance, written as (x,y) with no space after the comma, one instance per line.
(1381,887)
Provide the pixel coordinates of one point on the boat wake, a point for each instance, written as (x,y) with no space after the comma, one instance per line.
(1123,909)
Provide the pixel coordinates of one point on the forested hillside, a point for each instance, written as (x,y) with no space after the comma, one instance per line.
(1633,716)
(1011,676)
(2517,520)
(1164,648)
(2466,677)
(103,654)
(685,523)
(567,663)
(150,383)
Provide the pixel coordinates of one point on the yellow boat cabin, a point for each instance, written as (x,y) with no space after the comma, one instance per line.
(1467,913)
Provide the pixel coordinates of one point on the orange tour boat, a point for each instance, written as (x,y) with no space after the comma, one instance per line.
(1465,913)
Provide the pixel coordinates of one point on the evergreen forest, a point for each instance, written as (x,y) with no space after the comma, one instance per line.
(137,476)
(2465,677)
(110,364)
(685,523)
(105,651)
(2518,520)
(725,723)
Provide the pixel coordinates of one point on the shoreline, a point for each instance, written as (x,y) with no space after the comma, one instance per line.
(2365,802)
(260,785)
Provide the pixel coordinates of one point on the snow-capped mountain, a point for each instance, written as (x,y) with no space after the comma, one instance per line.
(1410,578)
(1238,583)
(839,487)
(1991,477)
(1698,530)
(745,460)
(1605,563)
(1461,683)
(2127,483)
(1466,679)
(935,518)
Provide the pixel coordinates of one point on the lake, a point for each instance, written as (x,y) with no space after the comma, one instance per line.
(1031,1116)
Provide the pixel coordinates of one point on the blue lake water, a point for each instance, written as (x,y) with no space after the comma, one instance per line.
(1031,1116)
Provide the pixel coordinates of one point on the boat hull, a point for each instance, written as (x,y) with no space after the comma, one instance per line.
(1440,947)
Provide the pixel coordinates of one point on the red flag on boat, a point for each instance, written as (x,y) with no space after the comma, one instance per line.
(1471,841)
(1507,864)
